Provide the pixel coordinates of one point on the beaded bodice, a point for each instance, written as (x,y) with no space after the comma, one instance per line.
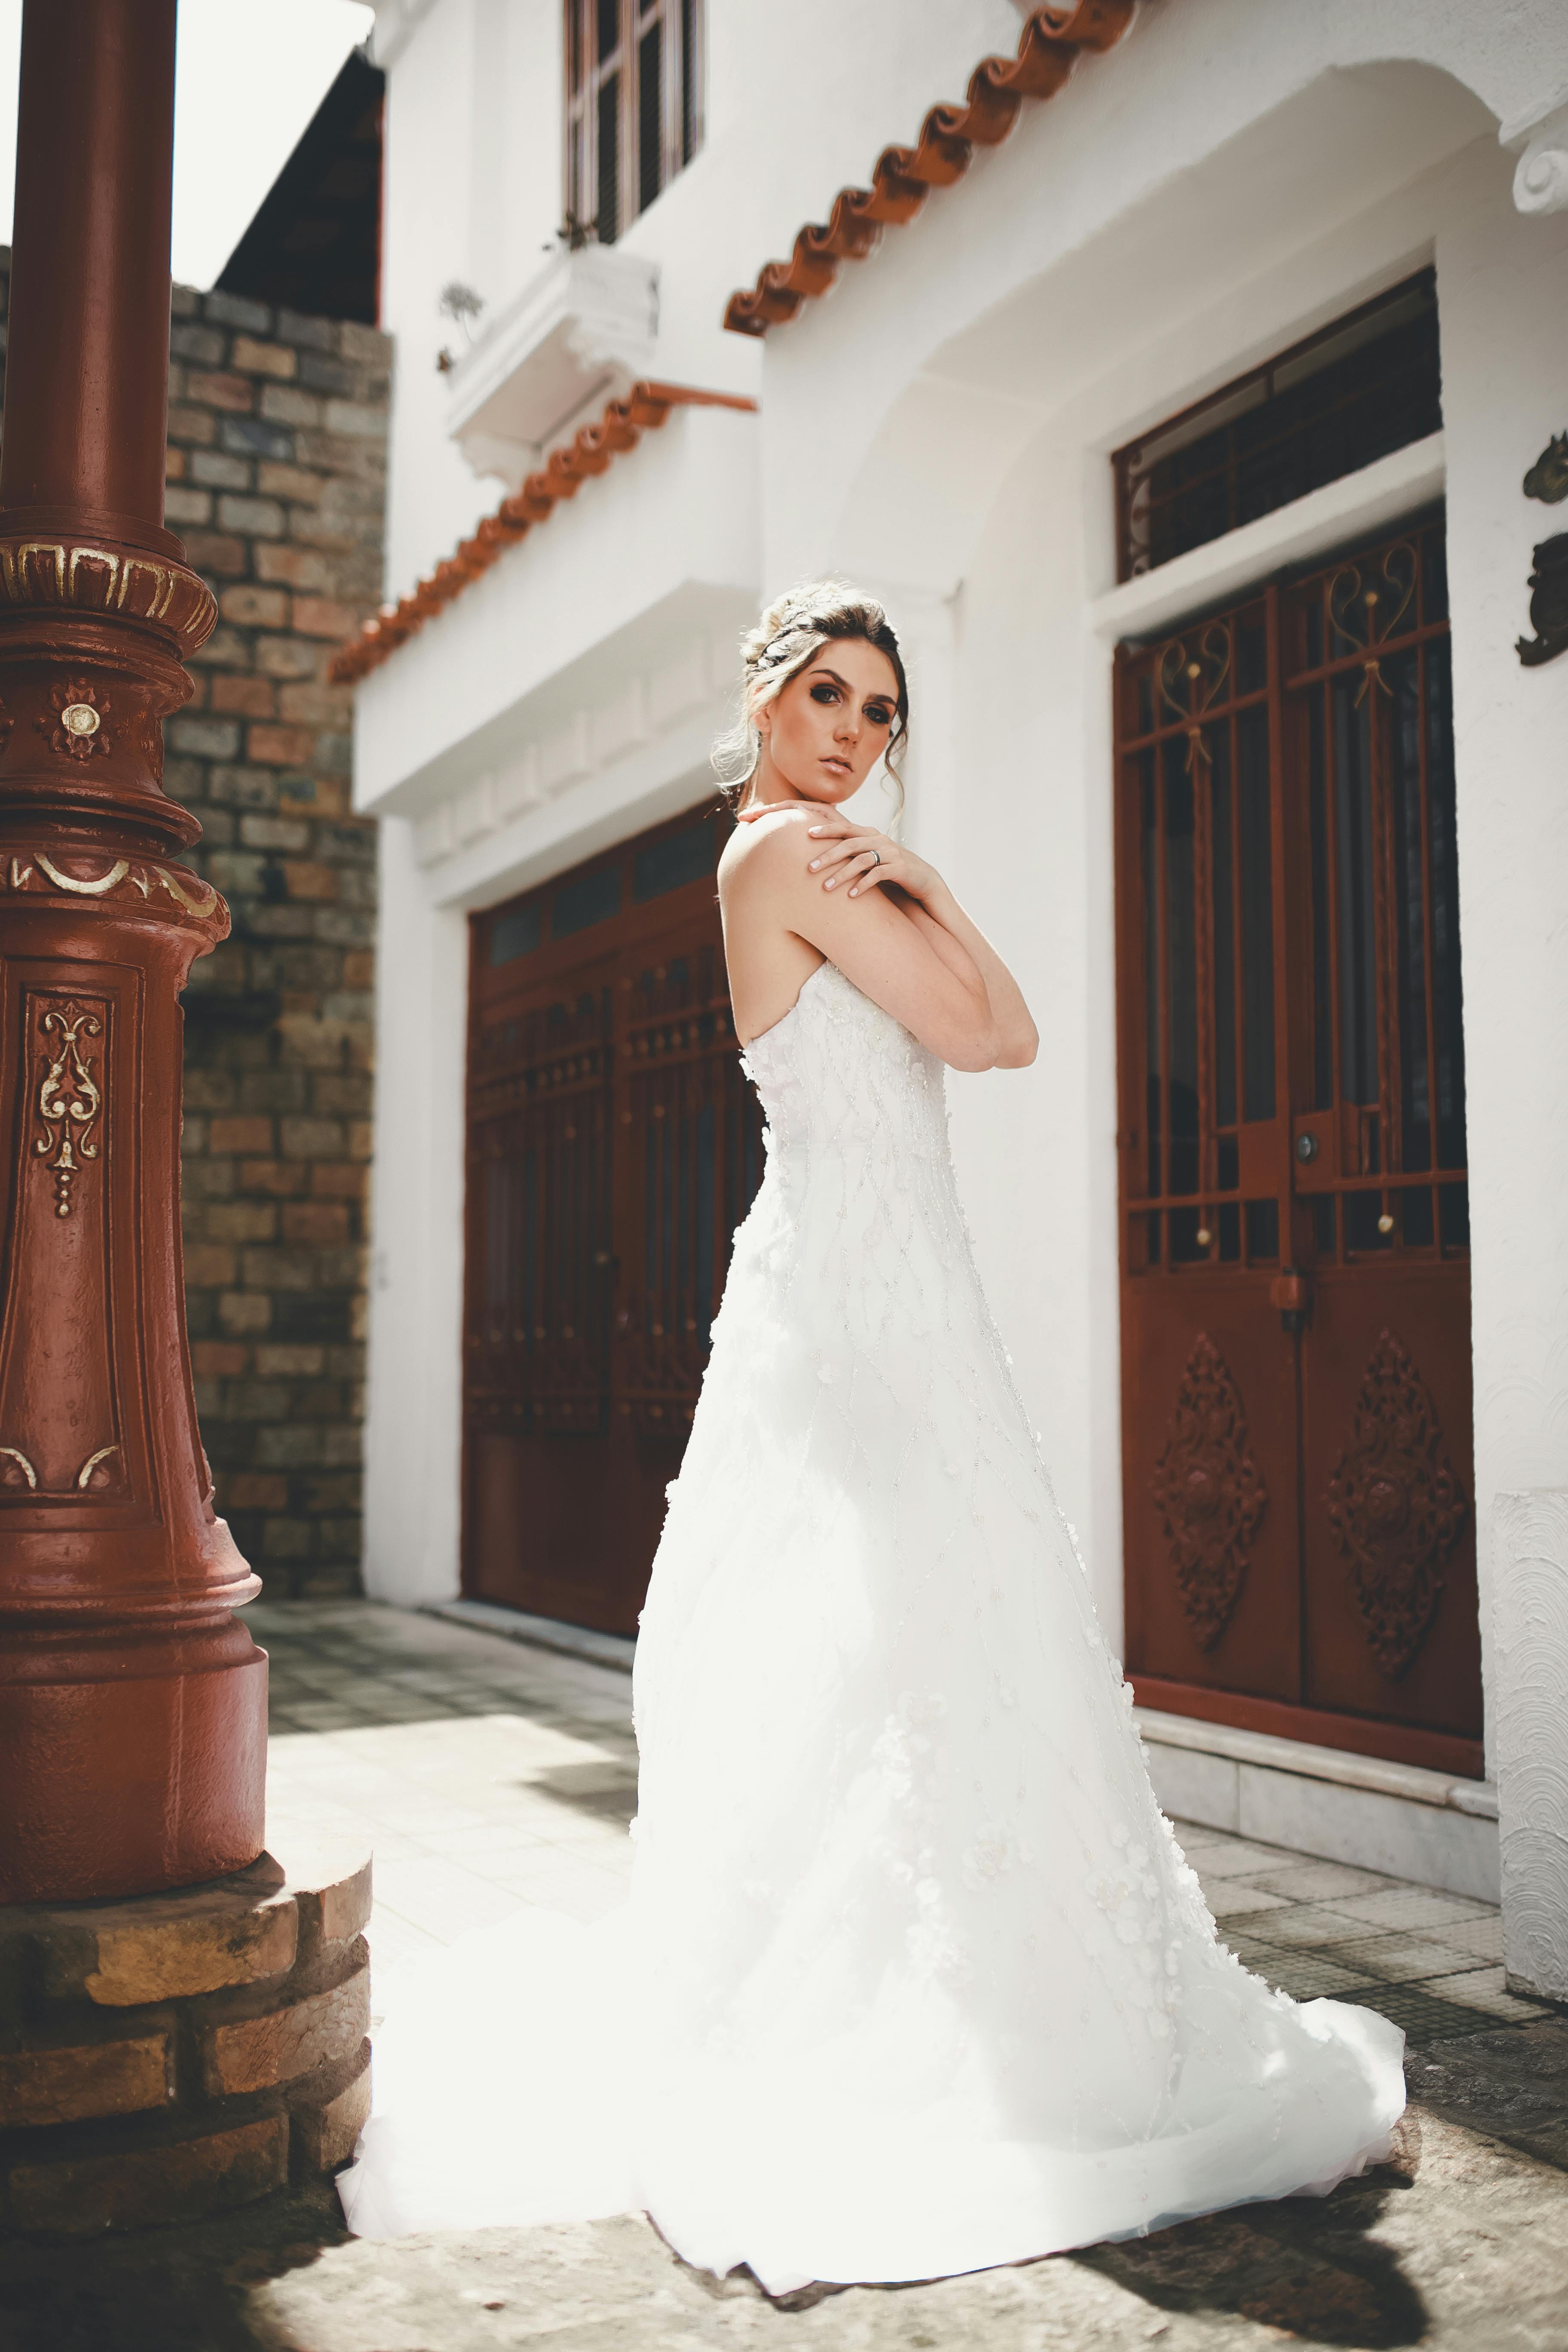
(840,1078)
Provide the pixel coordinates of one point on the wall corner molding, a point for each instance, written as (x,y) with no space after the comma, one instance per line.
(1530,1622)
(1541,176)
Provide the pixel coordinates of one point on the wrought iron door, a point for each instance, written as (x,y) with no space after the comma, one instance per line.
(614,1146)
(1296,1358)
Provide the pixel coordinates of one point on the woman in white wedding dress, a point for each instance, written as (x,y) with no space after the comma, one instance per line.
(912,1977)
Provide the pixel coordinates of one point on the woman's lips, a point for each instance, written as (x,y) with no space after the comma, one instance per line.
(839,767)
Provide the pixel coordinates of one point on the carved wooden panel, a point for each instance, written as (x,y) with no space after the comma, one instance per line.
(1396,1506)
(1209,1491)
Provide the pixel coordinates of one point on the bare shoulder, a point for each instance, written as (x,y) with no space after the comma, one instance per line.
(762,856)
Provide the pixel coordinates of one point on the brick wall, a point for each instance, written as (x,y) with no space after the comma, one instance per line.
(276,485)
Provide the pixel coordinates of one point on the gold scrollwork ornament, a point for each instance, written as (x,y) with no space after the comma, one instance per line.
(70,1098)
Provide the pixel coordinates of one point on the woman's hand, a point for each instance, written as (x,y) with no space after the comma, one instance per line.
(857,857)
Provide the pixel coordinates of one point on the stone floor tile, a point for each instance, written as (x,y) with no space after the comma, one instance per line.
(479,1844)
(1404,1959)
(1482,1937)
(1312,1924)
(1237,1859)
(439,1896)
(1423,2012)
(1307,1976)
(1313,1882)
(1251,1951)
(586,1900)
(1191,1835)
(394,1941)
(1229,1899)
(1485,1989)
(1411,1906)
(324,1715)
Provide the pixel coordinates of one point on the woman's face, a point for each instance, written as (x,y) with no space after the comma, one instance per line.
(824,732)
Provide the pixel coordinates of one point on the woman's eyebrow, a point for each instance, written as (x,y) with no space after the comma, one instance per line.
(878,694)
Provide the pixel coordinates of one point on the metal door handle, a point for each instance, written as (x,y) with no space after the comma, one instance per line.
(1292,1293)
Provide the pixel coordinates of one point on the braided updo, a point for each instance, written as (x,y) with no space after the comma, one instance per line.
(783,644)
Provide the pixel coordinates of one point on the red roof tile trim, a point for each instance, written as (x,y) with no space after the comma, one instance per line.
(620,429)
(904,176)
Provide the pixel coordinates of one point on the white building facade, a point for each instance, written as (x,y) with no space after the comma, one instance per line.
(1315,1453)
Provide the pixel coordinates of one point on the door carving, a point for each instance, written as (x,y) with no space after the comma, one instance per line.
(1295,1224)
(1396,1506)
(1210,1493)
(613,1147)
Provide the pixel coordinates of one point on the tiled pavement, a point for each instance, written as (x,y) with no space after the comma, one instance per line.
(488,1773)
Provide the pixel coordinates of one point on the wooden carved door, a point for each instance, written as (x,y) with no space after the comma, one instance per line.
(613,1147)
(1295,1291)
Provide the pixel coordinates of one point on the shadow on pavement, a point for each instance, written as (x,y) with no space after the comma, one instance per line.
(1307,2266)
(186,2289)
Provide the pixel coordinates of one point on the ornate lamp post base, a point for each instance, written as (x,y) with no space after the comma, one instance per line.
(132,1702)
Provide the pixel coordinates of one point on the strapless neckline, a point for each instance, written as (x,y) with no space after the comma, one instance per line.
(774,1027)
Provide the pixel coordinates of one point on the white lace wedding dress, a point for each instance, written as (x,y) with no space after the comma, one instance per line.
(913,1979)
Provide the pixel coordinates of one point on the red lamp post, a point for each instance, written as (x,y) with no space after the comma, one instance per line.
(133,1701)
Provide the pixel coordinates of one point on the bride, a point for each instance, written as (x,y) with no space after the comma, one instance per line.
(913,1979)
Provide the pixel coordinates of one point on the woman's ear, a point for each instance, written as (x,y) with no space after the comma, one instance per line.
(763,719)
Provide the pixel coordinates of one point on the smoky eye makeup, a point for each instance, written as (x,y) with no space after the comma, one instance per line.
(878,713)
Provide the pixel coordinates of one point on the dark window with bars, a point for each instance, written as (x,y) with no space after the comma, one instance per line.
(634,107)
(1366,385)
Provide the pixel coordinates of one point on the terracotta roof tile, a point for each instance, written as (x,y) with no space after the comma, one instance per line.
(620,429)
(903,177)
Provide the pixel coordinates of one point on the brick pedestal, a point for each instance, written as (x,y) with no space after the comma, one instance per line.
(174,2055)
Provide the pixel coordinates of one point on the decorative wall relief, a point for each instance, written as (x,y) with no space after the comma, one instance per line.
(1548,604)
(1548,481)
(1209,1491)
(1396,1507)
(69,1098)
(1548,478)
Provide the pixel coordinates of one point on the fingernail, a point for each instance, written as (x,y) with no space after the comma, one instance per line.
(828,884)
(813,867)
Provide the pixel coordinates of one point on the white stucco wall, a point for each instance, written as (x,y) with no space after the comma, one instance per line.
(1233,176)
(475,190)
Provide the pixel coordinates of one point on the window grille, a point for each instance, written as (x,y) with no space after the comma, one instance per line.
(1350,394)
(633,107)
